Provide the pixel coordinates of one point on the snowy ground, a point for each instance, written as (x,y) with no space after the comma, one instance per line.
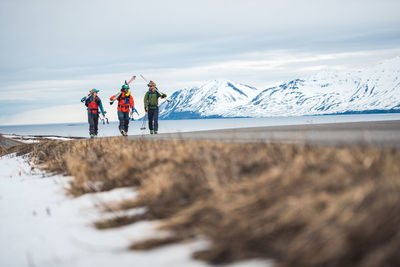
(41,226)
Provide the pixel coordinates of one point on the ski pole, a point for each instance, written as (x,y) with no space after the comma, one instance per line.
(104,118)
(144,122)
(133,109)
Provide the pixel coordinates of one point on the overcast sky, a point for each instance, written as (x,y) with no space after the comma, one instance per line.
(53,52)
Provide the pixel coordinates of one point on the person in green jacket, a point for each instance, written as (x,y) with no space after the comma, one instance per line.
(151,106)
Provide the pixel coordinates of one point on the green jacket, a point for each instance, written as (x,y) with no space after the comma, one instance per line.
(151,99)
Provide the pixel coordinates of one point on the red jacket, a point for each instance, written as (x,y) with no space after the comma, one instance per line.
(124,101)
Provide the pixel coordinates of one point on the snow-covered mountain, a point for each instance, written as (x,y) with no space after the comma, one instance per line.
(213,99)
(373,89)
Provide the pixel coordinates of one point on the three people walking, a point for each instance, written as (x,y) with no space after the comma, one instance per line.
(125,108)
(151,106)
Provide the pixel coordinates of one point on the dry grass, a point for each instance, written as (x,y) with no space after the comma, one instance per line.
(299,205)
(3,151)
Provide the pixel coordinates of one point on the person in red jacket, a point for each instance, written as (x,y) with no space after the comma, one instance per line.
(93,104)
(125,105)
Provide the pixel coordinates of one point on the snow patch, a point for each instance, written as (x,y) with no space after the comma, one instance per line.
(41,226)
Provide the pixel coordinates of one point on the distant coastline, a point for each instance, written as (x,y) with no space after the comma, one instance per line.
(188,115)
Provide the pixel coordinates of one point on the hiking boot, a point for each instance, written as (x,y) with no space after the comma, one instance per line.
(96,137)
(155,132)
(91,136)
(151,132)
(123,132)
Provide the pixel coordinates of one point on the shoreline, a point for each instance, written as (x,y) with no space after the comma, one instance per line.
(183,126)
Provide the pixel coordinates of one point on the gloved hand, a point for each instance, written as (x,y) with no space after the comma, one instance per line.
(105,112)
(163,96)
(146,109)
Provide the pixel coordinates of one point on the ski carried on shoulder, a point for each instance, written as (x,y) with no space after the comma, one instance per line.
(84,98)
(119,93)
(146,80)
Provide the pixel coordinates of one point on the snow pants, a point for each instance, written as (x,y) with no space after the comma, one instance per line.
(123,118)
(93,120)
(153,119)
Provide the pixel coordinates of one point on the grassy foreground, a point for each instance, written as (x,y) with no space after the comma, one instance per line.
(297,205)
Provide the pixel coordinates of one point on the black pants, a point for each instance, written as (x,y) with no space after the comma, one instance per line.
(93,120)
(123,118)
(153,117)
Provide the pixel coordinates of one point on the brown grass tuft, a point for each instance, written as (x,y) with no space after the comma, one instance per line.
(154,243)
(3,151)
(299,205)
(118,221)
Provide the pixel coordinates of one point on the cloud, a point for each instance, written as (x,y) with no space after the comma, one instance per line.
(261,69)
(53,52)
(88,33)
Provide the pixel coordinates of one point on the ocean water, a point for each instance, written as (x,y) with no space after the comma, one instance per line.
(170,126)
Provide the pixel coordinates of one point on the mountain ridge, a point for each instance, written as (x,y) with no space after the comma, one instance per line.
(327,92)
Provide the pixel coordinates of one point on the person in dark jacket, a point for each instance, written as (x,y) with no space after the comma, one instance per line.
(93,103)
(151,106)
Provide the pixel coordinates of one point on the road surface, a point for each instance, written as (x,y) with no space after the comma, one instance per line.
(379,133)
(7,143)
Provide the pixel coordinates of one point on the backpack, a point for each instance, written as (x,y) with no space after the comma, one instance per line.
(89,98)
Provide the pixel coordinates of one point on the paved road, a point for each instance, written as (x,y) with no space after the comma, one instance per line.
(7,142)
(380,133)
